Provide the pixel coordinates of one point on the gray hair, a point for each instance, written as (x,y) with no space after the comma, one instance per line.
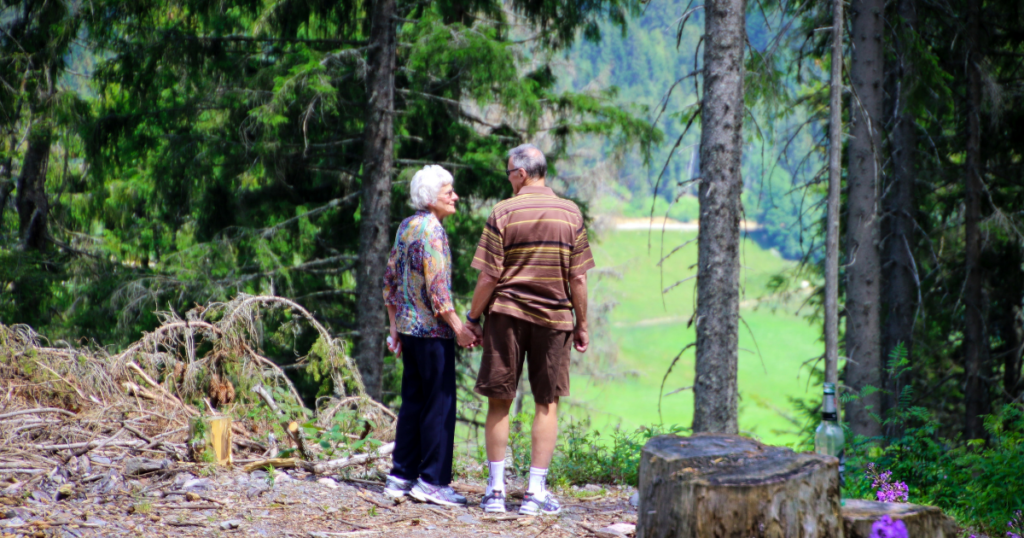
(529,158)
(426,185)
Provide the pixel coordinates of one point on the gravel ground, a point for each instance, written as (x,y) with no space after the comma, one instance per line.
(185,500)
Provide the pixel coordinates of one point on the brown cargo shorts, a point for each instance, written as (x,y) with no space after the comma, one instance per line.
(507,342)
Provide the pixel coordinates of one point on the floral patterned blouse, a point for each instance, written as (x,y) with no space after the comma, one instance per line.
(418,279)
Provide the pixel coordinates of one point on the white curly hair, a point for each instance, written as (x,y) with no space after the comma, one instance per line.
(426,185)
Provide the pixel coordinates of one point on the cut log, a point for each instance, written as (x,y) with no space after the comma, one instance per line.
(921,521)
(717,485)
(214,433)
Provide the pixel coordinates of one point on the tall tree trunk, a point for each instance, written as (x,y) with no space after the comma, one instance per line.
(33,208)
(375,212)
(899,270)
(6,187)
(864,364)
(976,345)
(835,177)
(721,144)
(1012,357)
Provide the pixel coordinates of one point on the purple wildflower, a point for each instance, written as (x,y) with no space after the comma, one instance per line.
(1017,523)
(888,528)
(887,491)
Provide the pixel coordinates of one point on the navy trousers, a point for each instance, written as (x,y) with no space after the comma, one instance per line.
(425,435)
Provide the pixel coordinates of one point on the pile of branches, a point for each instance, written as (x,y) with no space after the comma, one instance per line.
(59,402)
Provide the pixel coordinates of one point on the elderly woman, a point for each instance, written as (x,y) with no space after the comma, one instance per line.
(417,291)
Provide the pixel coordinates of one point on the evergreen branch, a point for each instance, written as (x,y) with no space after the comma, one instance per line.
(337,202)
(442,163)
(249,39)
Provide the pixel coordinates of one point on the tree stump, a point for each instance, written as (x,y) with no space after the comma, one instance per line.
(716,485)
(921,521)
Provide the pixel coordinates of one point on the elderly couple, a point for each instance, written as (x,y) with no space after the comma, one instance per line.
(533,259)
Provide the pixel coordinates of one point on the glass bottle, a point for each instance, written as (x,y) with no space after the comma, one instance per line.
(829,439)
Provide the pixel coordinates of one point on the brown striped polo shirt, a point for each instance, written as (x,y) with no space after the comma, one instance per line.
(533,243)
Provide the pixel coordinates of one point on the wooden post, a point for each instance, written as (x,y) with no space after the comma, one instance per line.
(711,485)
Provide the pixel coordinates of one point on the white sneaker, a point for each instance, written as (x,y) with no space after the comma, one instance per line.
(494,502)
(533,506)
(442,495)
(397,487)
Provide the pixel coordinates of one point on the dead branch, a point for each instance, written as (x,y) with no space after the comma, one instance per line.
(341,463)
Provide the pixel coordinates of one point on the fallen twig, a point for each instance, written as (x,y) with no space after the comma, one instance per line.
(334,465)
(37,410)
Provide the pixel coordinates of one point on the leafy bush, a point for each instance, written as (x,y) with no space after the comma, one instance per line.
(584,456)
(980,484)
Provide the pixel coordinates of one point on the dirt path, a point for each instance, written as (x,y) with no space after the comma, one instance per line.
(179,502)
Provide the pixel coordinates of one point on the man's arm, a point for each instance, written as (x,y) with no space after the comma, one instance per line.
(485,285)
(578,288)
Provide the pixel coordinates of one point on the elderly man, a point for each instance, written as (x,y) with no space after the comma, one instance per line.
(533,259)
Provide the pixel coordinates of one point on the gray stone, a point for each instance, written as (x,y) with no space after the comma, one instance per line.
(100,459)
(13,522)
(141,466)
(466,518)
(230,524)
(41,496)
(198,484)
(181,478)
(257,490)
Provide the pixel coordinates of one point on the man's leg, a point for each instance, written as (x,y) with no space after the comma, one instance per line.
(549,379)
(500,368)
(545,434)
(496,428)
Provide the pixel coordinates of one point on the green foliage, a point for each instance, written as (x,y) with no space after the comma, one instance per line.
(584,456)
(976,482)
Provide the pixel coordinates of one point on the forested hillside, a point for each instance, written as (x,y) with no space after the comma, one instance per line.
(654,66)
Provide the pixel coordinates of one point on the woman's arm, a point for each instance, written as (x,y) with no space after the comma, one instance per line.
(395,345)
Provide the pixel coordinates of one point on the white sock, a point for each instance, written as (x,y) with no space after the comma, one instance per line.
(496,480)
(537,487)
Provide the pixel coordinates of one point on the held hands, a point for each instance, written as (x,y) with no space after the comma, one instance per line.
(470,336)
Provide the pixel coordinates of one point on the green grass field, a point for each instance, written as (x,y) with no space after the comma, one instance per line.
(649,330)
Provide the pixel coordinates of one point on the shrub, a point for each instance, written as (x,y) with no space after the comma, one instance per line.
(976,482)
(587,457)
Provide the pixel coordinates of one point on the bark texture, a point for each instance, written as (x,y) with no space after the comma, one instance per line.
(33,207)
(976,346)
(712,485)
(835,178)
(863,286)
(375,212)
(921,521)
(721,144)
(6,186)
(900,278)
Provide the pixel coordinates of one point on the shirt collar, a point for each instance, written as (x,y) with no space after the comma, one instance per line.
(536,190)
